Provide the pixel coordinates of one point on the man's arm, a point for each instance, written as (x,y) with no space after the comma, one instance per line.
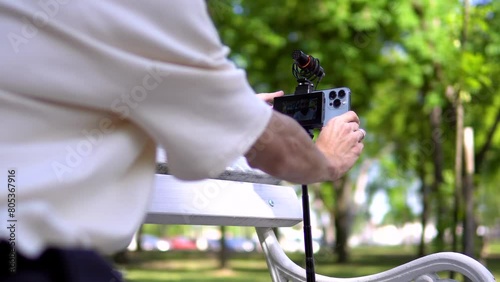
(287,152)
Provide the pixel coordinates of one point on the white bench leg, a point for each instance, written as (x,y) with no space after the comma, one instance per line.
(424,269)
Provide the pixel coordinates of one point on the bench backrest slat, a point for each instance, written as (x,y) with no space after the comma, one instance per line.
(222,202)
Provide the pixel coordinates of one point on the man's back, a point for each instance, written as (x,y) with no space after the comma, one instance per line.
(87,89)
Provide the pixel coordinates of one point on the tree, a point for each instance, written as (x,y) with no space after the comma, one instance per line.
(404,63)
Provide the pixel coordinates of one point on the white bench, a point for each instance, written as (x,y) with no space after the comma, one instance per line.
(265,206)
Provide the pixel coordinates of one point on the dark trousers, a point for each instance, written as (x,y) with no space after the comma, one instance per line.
(56,265)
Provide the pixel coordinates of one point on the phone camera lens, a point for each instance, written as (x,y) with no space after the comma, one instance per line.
(333,95)
(337,103)
(341,94)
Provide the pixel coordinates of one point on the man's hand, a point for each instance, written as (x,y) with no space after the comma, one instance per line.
(340,142)
(268,97)
(286,151)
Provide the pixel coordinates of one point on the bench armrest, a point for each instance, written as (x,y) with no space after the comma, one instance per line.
(420,270)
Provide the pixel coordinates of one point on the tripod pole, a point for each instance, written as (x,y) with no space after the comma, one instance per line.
(304,87)
(310,273)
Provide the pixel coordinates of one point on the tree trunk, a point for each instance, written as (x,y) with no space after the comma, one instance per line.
(424,188)
(459,137)
(437,158)
(487,144)
(457,198)
(343,219)
(139,238)
(223,255)
(458,173)
(459,142)
(469,226)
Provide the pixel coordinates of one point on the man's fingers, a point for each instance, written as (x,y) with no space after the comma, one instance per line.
(350,116)
(358,149)
(354,126)
(268,97)
(363,134)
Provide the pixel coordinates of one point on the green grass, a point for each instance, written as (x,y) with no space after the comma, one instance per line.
(195,266)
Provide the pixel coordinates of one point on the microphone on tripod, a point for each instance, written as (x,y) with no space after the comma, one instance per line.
(308,64)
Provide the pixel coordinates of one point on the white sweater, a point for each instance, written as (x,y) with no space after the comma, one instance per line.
(88,89)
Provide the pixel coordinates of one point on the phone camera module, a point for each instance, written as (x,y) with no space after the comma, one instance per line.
(337,103)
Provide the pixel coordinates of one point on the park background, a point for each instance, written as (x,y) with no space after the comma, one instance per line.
(424,76)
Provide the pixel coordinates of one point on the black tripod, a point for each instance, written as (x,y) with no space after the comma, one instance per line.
(304,87)
(310,273)
(306,69)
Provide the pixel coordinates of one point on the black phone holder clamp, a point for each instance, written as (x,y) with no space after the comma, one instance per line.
(312,108)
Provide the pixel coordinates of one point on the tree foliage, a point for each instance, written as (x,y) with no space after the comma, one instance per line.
(404,61)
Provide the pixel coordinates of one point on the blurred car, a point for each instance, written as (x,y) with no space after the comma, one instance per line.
(183,243)
(237,244)
(240,245)
(150,243)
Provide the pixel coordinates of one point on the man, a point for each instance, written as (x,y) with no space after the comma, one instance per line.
(87,91)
